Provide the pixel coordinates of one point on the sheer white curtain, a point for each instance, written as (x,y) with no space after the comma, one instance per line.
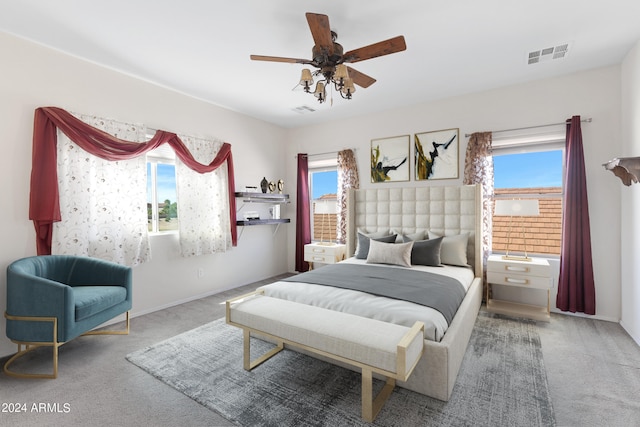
(203,208)
(102,203)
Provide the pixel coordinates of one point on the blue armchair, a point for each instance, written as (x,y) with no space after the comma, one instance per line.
(53,299)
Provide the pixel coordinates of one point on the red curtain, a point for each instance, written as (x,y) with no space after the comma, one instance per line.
(303,217)
(576,288)
(44,207)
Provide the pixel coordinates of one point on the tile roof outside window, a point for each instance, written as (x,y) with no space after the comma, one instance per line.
(543,233)
(325,225)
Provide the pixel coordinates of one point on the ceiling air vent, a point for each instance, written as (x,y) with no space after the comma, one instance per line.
(303,109)
(547,54)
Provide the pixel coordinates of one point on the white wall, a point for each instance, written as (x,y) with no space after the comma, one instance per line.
(593,94)
(630,200)
(32,76)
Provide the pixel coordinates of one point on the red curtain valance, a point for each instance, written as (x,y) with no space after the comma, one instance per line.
(44,204)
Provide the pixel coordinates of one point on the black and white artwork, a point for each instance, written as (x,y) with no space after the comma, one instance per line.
(436,154)
(390,159)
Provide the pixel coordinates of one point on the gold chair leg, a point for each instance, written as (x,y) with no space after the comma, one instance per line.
(125,331)
(29,346)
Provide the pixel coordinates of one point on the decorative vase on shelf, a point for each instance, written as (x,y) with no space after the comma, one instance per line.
(272,187)
(264,184)
(280,186)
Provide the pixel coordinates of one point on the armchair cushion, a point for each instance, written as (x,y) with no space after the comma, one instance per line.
(90,300)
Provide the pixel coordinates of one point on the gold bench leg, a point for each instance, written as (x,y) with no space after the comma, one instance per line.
(370,406)
(246,356)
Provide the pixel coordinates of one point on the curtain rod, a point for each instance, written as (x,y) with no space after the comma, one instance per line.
(587,120)
(328,152)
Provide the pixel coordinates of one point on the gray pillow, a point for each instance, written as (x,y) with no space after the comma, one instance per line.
(389,253)
(420,235)
(362,250)
(454,248)
(426,252)
(375,234)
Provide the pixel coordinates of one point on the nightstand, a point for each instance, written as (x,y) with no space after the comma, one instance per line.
(324,253)
(534,275)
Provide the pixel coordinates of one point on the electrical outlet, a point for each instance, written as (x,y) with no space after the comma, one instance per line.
(200,273)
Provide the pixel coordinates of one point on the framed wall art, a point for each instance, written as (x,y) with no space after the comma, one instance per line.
(390,159)
(436,154)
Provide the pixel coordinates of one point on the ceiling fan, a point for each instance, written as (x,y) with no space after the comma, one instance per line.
(329,58)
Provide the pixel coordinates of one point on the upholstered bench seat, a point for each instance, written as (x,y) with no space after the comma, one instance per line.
(369,344)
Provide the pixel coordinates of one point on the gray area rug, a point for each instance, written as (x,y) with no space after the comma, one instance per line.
(502,381)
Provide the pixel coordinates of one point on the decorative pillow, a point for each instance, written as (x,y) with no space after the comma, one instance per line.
(426,252)
(420,235)
(454,248)
(390,253)
(376,234)
(362,249)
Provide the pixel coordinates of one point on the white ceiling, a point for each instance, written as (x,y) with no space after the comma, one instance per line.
(202,47)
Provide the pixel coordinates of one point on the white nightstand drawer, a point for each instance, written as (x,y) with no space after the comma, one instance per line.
(318,249)
(531,268)
(323,259)
(523,280)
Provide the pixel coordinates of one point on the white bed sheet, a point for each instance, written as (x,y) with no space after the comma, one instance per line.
(371,306)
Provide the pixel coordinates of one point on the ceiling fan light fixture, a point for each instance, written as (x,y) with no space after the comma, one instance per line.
(341,74)
(320,92)
(329,58)
(348,89)
(306,80)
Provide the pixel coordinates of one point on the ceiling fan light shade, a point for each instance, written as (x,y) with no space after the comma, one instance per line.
(341,73)
(306,78)
(348,88)
(320,92)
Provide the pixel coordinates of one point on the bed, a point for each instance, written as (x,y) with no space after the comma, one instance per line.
(448,211)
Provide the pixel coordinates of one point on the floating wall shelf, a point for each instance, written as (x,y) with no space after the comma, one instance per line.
(268,198)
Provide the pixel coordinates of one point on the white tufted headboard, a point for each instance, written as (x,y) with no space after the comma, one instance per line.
(445,210)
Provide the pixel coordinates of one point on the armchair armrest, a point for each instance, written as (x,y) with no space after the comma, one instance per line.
(39,297)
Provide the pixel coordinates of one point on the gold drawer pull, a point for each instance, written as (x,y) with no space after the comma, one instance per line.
(518,281)
(318,258)
(516,268)
(318,250)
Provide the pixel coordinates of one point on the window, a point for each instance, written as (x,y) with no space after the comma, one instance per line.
(162,203)
(529,171)
(323,183)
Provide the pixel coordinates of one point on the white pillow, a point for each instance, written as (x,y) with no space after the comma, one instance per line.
(362,244)
(454,248)
(390,253)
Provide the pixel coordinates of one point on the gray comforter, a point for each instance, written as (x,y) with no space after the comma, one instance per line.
(441,293)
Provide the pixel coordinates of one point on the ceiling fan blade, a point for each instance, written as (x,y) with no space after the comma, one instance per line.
(360,79)
(320,30)
(280,59)
(386,47)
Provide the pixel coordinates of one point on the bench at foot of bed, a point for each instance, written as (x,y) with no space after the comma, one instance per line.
(371,345)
